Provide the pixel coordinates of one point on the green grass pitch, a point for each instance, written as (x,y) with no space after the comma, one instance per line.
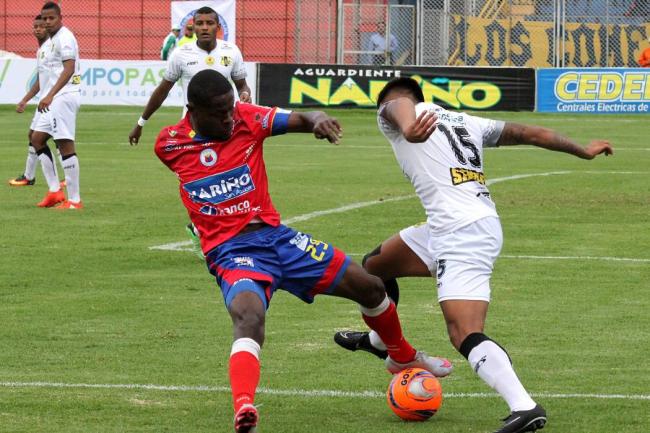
(84,300)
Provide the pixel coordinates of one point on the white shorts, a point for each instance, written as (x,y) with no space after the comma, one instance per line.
(37,115)
(461,260)
(61,118)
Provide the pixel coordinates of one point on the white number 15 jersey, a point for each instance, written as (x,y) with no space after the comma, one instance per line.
(447,169)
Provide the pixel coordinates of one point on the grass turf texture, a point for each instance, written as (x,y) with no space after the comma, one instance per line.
(83,299)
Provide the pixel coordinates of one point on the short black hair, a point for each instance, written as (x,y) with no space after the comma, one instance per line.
(206,85)
(206,10)
(405,83)
(38,17)
(52,5)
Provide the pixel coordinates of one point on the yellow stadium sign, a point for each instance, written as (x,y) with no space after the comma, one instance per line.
(515,42)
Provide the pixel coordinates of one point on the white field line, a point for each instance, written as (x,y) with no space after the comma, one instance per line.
(609,259)
(527,257)
(186,245)
(300,392)
(357,146)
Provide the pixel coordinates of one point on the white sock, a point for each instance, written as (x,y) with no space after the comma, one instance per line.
(246,345)
(30,164)
(375,341)
(492,365)
(71,169)
(47,165)
(58,153)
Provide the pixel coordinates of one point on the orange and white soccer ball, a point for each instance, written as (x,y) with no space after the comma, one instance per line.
(414,394)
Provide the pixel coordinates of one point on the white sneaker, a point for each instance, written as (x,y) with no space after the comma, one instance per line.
(439,367)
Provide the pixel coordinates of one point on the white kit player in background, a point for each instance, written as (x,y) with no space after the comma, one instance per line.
(59,81)
(441,153)
(28,177)
(207,52)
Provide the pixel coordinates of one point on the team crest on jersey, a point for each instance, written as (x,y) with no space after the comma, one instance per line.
(221,187)
(192,133)
(226,61)
(208,157)
(172,132)
(209,60)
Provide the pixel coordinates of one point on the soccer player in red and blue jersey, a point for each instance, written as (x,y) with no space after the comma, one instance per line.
(216,153)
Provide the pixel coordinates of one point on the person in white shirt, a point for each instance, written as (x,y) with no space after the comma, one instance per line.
(169,44)
(207,52)
(28,177)
(59,81)
(441,153)
(382,46)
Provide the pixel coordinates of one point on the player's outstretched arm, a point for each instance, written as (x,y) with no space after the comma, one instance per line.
(155,101)
(322,125)
(401,113)
(517,133)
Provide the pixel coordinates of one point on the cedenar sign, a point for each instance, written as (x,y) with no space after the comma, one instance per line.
(593,90)
(335,85)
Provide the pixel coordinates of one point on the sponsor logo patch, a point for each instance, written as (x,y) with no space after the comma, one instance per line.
(464,175)
(221,187)
(243,261)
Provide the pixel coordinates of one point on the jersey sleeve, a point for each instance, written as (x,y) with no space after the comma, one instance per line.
(266,121)
(490,130)
(384,125)
(238,67)
(169,43)
(173,72)
(68,46)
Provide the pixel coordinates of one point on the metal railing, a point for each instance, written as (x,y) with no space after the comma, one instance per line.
(535,33)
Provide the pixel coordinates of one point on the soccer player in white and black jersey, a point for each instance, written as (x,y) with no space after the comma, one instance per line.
(207,52)
(58,75)
(441,152)
(28,177)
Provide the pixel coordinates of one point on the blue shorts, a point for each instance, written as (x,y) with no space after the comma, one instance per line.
(276,258)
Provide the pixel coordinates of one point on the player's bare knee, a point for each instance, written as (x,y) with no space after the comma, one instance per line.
(374,292)
(248,322)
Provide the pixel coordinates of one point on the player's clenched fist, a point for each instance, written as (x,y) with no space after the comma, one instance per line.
(597,147)
(329,128)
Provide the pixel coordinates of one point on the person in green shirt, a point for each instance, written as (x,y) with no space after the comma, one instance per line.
(170,43)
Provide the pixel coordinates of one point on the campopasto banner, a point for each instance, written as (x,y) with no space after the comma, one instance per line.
(296,85)
(103,82)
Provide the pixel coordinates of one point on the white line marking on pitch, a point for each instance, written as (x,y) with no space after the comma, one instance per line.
(183,245)
(524,257)
(610,259)
(299,392)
